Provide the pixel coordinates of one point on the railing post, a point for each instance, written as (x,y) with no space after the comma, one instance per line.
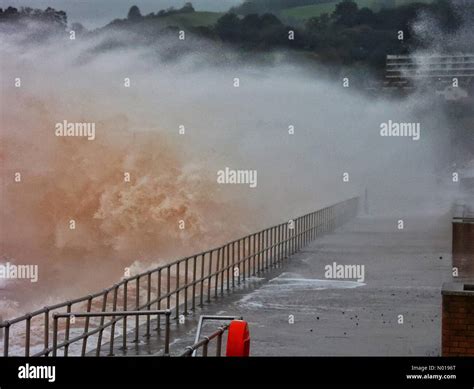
(280,242)
(168,286)
(314,225)
(238,261)
(254,255)
(68,325)
(303,231)
(308,228)
(277,244)
(271,247)
(186,286)
(112,331)
(28,336)
(326,220)
(124,329)
(86,326)
(55,335)
(294,236)
(228,266)
(194,281)
(177,292)
(321,221)
(201,285)
(6,337)
(223,270)
(268,244)
(244,259)
(249,256)
(218,264)
(258,252)
(306,224)
(158,301)
(137,307)
(167,333)
(325,217)
(300,230)
(233,265)
(102,320)
(209,278)
(148,303)
(46,330)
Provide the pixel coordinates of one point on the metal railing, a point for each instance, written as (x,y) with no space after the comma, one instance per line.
(179,286)
(191,351)
(84,337)
(204,343)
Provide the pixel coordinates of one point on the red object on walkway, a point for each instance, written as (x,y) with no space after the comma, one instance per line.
(238,339)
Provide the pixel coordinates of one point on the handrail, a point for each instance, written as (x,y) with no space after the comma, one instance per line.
(69,315)
(185,283)
(204,343)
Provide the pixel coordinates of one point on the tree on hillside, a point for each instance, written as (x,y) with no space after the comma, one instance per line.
(365,16)
(134,13)
(188,7)
(50,16)
(448,16)
(346,13)
(318,24)
(55,16)
(78,28)
(228,27)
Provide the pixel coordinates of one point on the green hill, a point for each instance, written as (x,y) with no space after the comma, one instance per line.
(309,11)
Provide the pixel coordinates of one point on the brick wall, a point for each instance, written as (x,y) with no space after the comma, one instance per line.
(463,248)
(457,320)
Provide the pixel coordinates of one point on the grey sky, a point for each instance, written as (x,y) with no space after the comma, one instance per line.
(95,13)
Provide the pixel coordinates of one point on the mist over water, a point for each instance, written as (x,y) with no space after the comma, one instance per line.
(173,177)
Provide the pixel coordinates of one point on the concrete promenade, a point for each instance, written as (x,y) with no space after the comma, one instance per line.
(296,311)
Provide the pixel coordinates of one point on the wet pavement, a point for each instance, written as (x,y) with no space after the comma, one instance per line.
(295,310)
